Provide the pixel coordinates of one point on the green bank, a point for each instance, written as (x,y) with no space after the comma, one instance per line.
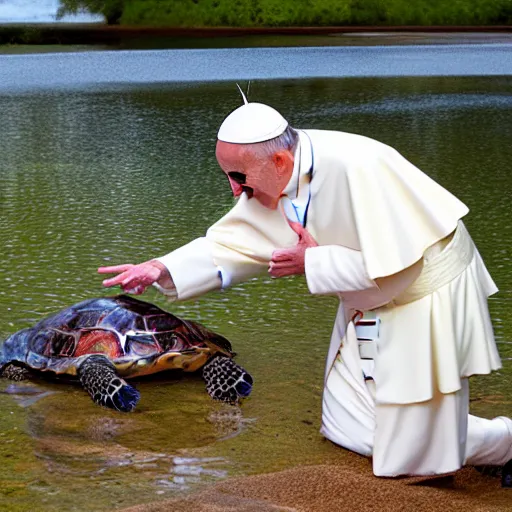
(276,13)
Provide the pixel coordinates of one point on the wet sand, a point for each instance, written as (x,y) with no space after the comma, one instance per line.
(348,486)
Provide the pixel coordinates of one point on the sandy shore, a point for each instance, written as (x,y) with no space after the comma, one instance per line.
(351,486)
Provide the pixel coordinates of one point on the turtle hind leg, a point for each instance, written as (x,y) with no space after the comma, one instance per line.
(226,380)
(99,378)
(15,372)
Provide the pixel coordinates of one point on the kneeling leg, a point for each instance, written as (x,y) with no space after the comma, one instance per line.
(489,447)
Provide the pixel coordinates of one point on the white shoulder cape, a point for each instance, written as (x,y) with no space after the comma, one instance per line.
(397,210)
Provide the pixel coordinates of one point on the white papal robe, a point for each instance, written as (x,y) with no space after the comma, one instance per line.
(391,242)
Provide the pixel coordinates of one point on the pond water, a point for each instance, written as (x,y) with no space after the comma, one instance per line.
(109,68)
(105,176)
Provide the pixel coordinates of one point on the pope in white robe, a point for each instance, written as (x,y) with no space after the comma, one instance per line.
(387,240)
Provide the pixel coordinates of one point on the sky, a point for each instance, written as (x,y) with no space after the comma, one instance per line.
(37,11)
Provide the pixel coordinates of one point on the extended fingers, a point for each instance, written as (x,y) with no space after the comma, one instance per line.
(115,269)
(131,276)
(138,290)
(117,280)
(132,280)
(129,282)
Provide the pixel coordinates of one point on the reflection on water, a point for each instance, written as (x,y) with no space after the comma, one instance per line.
(25,394)
(93,178)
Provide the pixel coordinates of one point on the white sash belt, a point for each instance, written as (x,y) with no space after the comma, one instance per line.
(437,272)
(441,269)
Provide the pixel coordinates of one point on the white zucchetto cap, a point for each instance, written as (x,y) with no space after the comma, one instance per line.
(252,122)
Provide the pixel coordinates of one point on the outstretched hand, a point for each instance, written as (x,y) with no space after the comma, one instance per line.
(289,262)
(135,279)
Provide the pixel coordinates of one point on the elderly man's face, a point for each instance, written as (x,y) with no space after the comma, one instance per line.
(261,177)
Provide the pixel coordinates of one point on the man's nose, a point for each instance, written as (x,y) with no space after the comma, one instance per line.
(236,180)
(235,187)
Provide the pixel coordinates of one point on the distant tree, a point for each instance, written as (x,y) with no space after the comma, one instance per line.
(111,9)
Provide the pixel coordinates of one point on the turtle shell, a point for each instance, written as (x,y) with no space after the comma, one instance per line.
(138,337)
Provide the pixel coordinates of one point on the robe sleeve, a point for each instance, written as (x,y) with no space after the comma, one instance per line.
(331,269)
(239,246)
(338,270)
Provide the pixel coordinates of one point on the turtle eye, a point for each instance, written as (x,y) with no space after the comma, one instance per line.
(237,177)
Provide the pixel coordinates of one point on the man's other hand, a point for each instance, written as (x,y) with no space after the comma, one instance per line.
(289,262)
(135,279)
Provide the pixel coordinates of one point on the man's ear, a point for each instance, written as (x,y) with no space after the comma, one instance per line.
(283,160)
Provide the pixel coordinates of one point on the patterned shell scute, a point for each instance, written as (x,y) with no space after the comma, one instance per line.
(122,320)
(118,327)
(162,323)
(137,306)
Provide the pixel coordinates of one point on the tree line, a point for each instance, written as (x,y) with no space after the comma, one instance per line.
(251,13)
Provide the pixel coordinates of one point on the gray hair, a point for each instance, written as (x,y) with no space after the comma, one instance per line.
(286,141)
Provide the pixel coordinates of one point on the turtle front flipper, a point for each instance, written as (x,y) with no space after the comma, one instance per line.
(99,378)
(14,372)
(226,380)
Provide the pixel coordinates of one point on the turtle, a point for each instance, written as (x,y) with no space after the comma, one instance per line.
(105,340)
